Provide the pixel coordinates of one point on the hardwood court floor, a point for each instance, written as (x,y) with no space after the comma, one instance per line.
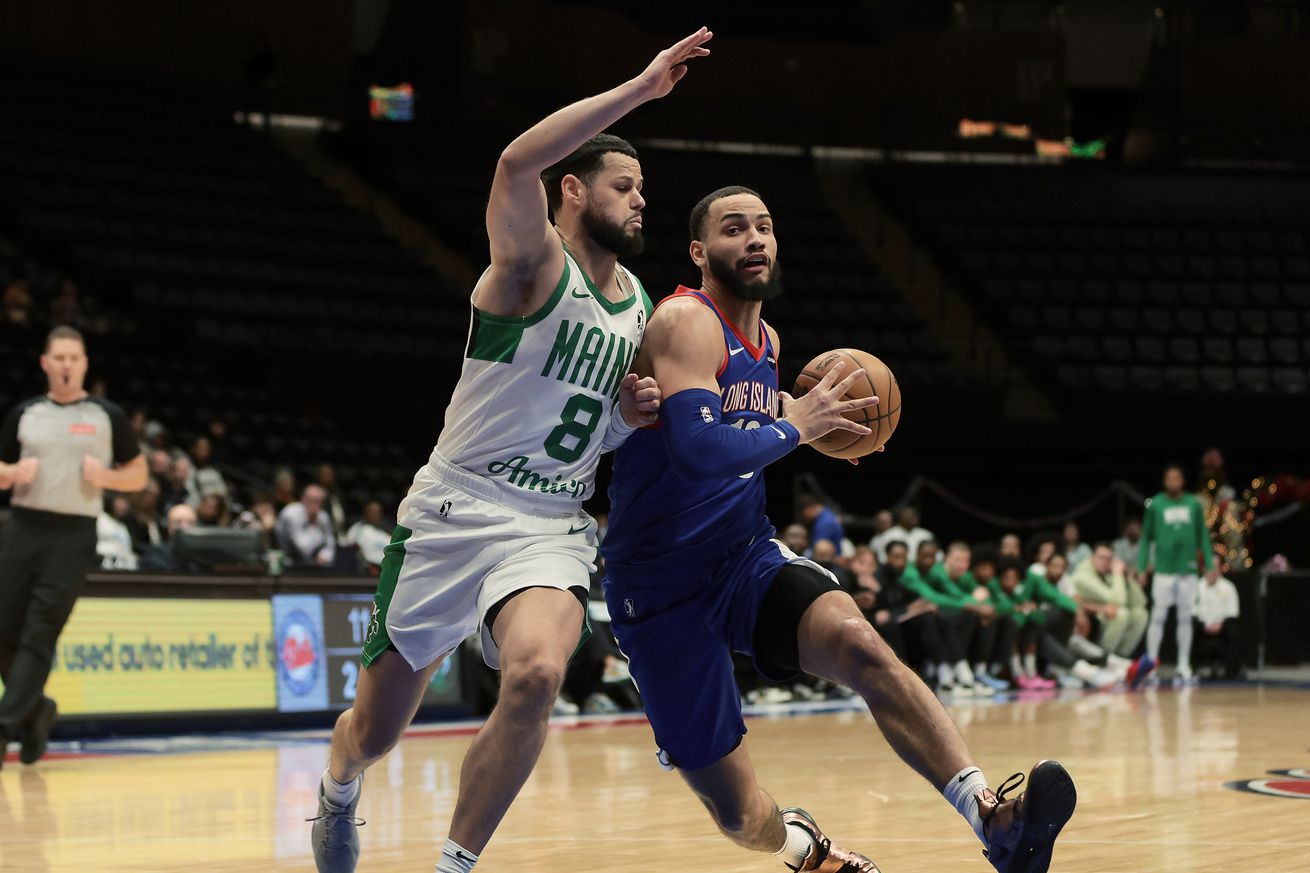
(1149,768)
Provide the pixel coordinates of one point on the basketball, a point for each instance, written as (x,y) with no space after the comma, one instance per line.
(881,419)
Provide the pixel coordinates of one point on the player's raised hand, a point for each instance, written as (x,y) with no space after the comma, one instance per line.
(819,412)
(670,65)
(639,400)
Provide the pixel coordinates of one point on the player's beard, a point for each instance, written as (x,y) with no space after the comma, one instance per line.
(612,236)
(760,289)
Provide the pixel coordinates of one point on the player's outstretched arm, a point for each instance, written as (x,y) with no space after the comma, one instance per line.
(522,242)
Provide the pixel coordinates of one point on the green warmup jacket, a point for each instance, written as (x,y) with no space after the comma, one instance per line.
(1033,588)
(1177,530)
(939,587)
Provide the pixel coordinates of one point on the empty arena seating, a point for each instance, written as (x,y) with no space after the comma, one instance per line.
(1125,282)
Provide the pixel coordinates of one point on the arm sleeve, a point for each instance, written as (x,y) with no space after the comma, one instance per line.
(701,446)
(125,447)
(10,449)
(917,585)
(1002,602)
(1148,537)
(1232,604)
(616,432)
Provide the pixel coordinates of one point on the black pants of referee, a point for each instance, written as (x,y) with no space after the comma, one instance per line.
(44,559)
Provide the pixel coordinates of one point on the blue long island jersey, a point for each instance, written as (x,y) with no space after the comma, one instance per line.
(658,519)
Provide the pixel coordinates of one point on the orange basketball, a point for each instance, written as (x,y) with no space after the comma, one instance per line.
(881,419)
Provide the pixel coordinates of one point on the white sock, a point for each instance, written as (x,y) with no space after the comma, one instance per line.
(1015,666)
(959,792)
(963,675)
(945,676)
(1030,664)
(455,858)
(336,792)
(797,847)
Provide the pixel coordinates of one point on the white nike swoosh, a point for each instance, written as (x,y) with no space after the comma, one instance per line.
(737,351)
(781,435)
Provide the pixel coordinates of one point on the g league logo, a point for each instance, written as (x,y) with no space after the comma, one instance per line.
(299,652)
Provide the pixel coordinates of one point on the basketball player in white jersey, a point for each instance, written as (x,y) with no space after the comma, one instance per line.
(492,536)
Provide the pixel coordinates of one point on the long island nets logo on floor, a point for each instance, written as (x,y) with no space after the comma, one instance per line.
(1293,784)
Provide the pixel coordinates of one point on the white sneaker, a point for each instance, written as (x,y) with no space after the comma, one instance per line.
(564,707)
(598,704)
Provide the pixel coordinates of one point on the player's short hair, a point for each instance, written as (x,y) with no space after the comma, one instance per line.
(902,543)
(64,332)
(699,212)
(1006,565)
(984,553)
(958,546)
(584,162)
(1174,465)
(807,499)
(924,544)
(1101,544)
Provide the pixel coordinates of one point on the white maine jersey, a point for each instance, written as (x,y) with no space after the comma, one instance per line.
(537,391)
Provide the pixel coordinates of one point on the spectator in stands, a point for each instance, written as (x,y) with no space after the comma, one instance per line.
(334,505)
(304,530)
(160,464)
(797,538)
(909,624)
(179,485)
(181,517)
(206,477)
(139,419)
(213,511)
(1075,549)
(217,431)
(1041,546)
(1011,546)
(1046,619)
(949,586)
(823,522)
(907,530)
(882,525)
(824,553)
(284,488)
(1102,588)
(66,308)
(997,639)
(16,305)
(259,516)
(143,523)
(370,535)
(1125,548)
(1218,631)
(113,540)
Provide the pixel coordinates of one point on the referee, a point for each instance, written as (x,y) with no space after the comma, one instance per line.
(57,452)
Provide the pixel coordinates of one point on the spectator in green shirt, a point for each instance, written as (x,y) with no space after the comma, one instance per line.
(996,639)
(1045,617)
(1174,531)
(944,585)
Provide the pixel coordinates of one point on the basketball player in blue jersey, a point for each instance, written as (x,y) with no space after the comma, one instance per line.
(694,573)
(492,538)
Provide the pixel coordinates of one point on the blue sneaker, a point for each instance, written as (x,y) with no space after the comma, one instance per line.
(1020,832)
(991,682)
(1140,669)
(336,834)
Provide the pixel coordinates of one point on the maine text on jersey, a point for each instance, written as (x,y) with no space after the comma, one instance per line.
(594,359)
